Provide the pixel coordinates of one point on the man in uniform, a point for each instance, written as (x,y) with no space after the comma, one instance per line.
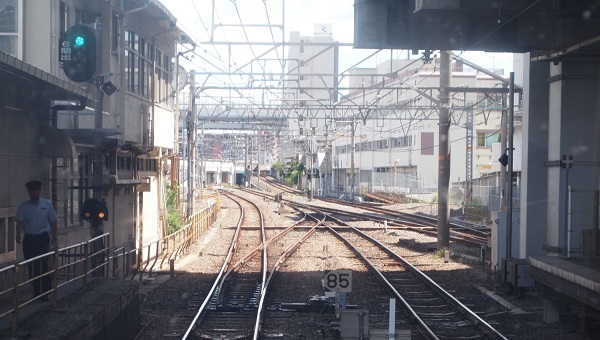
(37,219)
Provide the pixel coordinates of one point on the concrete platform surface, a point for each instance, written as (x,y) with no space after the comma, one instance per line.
(107,309)
(582,271)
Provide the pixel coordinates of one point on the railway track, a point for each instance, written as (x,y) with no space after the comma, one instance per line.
(231,308)
(415,222)
(418,223)
(436,312)
(284,188)
(236,308)
(424,224)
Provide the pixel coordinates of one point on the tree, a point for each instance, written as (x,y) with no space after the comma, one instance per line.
(289,171)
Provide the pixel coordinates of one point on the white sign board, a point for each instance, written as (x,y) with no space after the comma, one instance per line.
(338,280)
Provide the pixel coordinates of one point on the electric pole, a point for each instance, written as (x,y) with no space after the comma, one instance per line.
(353,128)
(191,131)
(504,145)
(444,152)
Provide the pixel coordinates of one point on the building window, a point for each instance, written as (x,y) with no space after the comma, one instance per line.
(489,101)
(487,138)
(129,74)
(64,17)
(11,26)
(401,142)
(162,66)
(150,70)
(382,144)
(79,14)
(158,61)
(75,183)
(114,38)
(143,86)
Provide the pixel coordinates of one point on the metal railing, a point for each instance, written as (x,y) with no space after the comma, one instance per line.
(95,258)
(65,265)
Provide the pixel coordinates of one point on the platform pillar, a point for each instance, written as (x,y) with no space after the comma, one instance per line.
(551,311)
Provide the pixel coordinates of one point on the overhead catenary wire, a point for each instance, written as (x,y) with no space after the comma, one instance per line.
(277,96)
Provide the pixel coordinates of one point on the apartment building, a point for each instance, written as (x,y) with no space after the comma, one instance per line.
(61,132)
(311,90)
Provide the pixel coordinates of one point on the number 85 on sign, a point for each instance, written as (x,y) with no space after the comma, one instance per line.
(338,280)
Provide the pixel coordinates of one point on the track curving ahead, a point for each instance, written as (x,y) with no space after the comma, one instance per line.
(232,304)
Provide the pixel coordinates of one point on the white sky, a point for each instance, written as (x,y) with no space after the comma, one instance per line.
(195,17)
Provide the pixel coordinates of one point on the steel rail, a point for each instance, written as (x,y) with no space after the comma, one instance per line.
(282,258)
(201,311)
(403,221)
(253,253)
(482,324)
(405,218)
(262,248)
(432,220)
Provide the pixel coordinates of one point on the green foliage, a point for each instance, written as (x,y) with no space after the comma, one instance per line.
(278,165)
(174,218)
(475,202)
(289,171)
(434,197)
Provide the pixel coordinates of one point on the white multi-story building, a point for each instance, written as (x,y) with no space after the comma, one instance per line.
(311,90)
(396,134)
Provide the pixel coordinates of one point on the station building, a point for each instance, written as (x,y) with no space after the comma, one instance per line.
(51,125)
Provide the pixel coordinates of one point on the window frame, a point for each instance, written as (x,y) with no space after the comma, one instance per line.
(18,34)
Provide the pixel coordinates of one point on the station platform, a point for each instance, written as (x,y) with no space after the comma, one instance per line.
(106,309)
(567,280)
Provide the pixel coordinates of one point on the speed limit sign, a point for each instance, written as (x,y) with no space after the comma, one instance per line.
(338,280)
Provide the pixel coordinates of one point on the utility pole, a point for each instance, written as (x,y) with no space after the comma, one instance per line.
(327,151)
(511,149)
(98,137)
(258,160)
(97,225)
(395,177)
(444,152)
(191,131)
(503,143)
(246,167)
(309,166)
(202,167)
(251,155)
(469,160)
(353,127)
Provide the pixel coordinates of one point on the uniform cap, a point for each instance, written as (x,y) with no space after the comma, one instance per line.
(32,185)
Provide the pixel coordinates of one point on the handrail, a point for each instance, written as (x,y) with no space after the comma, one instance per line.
(82,261)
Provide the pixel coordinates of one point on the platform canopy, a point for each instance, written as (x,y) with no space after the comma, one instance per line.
(539,26)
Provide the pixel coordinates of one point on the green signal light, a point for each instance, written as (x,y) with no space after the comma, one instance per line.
(79,41)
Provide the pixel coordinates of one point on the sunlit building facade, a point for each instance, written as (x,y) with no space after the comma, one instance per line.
(130,123)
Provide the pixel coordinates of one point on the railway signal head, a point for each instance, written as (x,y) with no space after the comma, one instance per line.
(94,209)
(78,53)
